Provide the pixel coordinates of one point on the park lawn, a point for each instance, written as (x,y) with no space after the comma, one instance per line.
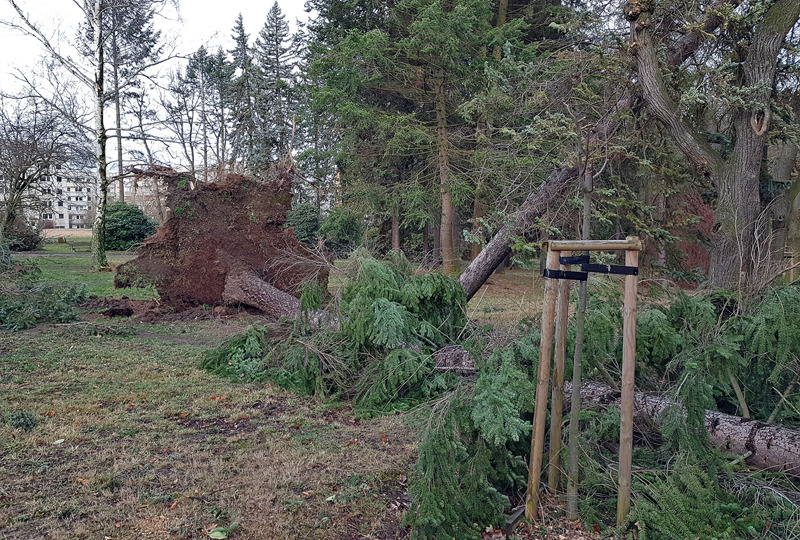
(59,264)
(135,441)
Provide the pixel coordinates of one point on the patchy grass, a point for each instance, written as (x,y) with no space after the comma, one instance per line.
(508,298)
(134,441)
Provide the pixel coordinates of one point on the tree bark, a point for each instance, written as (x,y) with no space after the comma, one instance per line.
(395,230)
(118,111)
(482,266)
(734,250)
(243,286)
(443,159)
(99,259)
(772,448)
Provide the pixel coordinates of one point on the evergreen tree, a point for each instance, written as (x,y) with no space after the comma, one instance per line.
(273,56)
(242,95)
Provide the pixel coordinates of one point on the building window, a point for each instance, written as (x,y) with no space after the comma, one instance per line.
(58,192)
(78,189)
(88,197)
(60,216)
(60,203)
(58,179)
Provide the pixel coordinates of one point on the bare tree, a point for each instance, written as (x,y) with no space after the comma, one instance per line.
(85,63)
(34,140)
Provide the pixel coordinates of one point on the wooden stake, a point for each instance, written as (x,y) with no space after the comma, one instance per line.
(626,405)
(557,401)
(542,386)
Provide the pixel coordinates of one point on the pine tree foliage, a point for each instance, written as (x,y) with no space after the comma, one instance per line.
(26,300)
(474,447)
(689,503)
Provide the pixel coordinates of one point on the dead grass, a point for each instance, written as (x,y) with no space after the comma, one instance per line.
(134,441)
(67,233)
(508,298)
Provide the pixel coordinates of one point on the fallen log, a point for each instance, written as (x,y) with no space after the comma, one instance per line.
(767,447)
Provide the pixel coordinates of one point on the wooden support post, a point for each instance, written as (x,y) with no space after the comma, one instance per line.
(557,401)
(542,387)
(626,405)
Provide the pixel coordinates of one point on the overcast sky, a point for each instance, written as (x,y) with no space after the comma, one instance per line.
(202,22)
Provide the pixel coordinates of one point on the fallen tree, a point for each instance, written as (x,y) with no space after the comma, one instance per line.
(766,447)
(225,243)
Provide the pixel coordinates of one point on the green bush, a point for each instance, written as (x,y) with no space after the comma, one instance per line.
(22,237)
(22,419)
(126,225)
(304,219)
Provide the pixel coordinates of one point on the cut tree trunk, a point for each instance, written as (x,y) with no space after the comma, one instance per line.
(768,447)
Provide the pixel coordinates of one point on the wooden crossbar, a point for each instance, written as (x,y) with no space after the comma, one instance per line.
(632,243)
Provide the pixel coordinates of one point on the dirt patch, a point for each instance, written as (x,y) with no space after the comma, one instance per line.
(217,233)
(217,425)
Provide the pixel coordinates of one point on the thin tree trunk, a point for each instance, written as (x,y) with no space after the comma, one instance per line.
(426,231)
(118,108)
(577,362)
(437,247)
(446,226)
(99,259)
(396,230)
(502,14)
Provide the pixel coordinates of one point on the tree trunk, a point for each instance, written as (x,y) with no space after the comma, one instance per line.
(443,161)
(482,266)
(99,259)
(426,231)
(118,109)
(478,212)
(243,286)
(502,14)
(771,448)
(736,253)
(437,247)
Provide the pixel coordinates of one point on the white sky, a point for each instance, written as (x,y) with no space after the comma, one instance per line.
(203,22)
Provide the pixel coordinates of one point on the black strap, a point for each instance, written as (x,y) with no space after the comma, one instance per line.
(616,269)
(564,274)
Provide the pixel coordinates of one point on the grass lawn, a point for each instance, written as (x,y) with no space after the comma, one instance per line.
(135,441)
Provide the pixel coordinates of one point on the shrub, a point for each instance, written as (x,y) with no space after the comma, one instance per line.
(22,237)
(304,219)
(26,301)
(126,225)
